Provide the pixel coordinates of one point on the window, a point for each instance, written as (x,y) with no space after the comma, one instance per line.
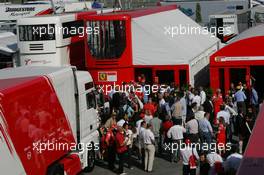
(213,22)
(72,28)
(165,76)
(229,23)
(90,100)
(36,32)
(108,39)
(239,7)
(88,86)
(6,61)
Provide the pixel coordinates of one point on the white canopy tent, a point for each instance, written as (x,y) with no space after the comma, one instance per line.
(153,45)
(251,32)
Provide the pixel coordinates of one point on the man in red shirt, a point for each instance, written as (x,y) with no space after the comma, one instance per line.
(150,106)
(217,101)
(121,148)
(166,125)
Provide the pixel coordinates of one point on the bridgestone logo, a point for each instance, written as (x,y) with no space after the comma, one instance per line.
(24,9)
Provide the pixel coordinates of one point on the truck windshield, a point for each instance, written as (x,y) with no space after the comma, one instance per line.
(212,22)
(36,32)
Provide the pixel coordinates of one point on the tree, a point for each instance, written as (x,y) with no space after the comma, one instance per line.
(198,13)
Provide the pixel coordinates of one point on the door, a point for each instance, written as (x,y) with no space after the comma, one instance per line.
(222,79)
(165,76)
(183,78)
(238,75)
(219,24)
(257,72)
(146,72)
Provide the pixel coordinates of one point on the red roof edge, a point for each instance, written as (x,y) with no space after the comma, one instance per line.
(252,46)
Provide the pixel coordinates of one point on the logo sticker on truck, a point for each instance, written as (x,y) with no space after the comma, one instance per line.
(110,76)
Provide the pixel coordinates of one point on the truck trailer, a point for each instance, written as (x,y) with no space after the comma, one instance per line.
(48,121)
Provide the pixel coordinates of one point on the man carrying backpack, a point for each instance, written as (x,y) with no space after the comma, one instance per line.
(189,158)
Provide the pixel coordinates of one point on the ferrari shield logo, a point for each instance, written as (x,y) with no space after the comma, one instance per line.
(102,76)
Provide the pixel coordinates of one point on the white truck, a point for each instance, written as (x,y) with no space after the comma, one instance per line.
(229,24)
(13,12)
(48,121)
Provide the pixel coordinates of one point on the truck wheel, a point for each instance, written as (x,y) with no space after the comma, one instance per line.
(90,160)
(56,169)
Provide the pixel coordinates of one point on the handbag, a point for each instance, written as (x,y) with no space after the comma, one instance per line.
(192,161)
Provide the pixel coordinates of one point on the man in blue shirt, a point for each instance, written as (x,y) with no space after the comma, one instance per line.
(206,129)
(254,101)
(240,98)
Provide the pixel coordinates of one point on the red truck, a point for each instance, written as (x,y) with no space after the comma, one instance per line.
(48,121)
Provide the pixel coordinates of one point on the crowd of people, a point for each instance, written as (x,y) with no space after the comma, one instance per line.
(205,132)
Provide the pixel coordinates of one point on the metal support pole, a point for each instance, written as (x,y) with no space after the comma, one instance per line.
(53,6)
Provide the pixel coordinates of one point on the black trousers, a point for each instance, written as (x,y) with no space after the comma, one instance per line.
(187,171)
(111,157)
(229,133)
(121,162)
(129,157)
(143,158)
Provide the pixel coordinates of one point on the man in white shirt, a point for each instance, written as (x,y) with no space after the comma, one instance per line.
(184,107)
(121,122)
(196,98)
(232,111)
(129,136)
(213,158)
(148,117)
(186,153)
(199,114)
(202,95)
(190,97)
(141,144)
(138,125)
(230,108)
(175,133)
(223,113)
(156,124)
(192,128)
(226,115)
(149,141)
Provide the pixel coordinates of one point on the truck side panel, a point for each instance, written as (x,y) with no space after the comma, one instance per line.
(64,85)
(36,123)
(11,163)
